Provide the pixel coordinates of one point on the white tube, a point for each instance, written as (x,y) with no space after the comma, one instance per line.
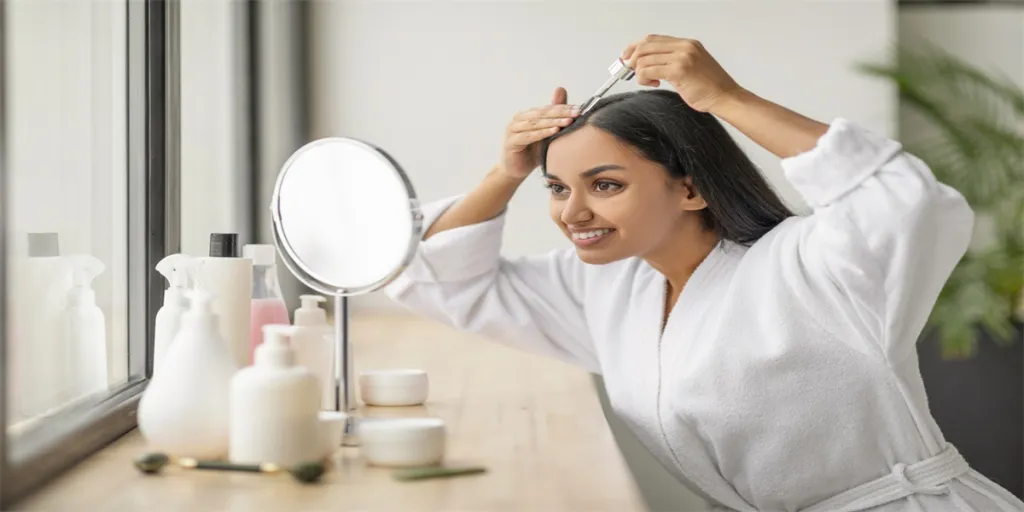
(230,279)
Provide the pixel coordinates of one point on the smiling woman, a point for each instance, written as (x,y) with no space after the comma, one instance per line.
(736,340)
(652,167)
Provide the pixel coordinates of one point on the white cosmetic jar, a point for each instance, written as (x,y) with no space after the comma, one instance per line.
(332,430)
(393,388)
(402,442)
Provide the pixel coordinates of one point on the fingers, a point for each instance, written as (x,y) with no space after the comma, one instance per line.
(536,124)
(550,111)
(647,76)
(648,49)
(650,38)
(560,97)
(628,52)
(657,44)
(528,125)
(652,75)
(524,139)
(656,59)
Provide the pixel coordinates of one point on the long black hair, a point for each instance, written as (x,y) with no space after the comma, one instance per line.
(741,205)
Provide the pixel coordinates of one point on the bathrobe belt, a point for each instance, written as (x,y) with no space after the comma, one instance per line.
(929,476)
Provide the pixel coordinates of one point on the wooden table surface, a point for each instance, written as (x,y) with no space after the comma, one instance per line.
(534,423)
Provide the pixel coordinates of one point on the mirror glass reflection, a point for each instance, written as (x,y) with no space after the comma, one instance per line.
(345,214)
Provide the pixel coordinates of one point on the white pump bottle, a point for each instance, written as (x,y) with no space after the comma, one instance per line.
(85,330)
(176,268)
(275,406)
(314,346)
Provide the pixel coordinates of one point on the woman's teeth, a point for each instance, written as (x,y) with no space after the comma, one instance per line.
(590,234)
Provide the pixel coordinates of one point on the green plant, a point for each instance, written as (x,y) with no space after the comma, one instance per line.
(975,143)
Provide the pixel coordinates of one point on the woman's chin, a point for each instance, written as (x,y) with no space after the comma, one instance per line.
(596,256)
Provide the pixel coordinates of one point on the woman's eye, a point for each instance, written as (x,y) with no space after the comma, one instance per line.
(556,188)
(606,186)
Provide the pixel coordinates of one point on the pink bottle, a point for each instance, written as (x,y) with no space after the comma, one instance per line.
(268,305)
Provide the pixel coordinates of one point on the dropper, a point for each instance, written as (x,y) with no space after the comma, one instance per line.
(619,71)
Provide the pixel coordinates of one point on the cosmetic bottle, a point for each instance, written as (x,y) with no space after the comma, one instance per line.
(229,278)
(313,341)
(175,268)
(185,409)
(85,330)
(44,282)
(267,305)
(275,406)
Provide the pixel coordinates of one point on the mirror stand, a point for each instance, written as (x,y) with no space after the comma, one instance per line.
(345,222)
(344,389)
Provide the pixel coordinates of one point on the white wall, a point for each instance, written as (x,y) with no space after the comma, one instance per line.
(434,82)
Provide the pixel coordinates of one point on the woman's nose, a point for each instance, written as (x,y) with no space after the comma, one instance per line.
(576,210)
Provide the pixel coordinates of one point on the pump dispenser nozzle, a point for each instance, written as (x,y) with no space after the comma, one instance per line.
(310,313)
(275,350)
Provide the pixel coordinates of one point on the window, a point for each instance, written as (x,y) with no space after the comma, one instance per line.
(88,205)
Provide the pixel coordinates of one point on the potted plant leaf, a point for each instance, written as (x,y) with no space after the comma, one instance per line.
(967,124)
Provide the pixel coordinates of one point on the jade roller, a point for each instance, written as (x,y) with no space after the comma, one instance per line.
(152,463)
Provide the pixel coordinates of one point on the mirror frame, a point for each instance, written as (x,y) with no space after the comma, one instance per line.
(287,252)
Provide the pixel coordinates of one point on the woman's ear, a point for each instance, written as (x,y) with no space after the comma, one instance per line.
(691,199)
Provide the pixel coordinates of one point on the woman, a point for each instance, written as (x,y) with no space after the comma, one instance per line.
(766,359)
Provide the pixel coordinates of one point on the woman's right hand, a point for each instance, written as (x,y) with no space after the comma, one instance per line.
(521,151)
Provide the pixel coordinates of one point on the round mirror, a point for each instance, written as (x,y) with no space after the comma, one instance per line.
(346,219)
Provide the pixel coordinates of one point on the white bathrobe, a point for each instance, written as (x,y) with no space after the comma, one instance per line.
(786,373)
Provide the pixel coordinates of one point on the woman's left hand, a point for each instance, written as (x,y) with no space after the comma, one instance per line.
(684,63)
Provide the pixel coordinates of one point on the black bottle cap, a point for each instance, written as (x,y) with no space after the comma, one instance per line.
(224,245)
(43,245)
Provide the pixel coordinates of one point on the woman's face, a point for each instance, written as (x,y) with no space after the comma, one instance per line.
(610,201)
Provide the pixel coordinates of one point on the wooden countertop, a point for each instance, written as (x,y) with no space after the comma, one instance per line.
(534,423)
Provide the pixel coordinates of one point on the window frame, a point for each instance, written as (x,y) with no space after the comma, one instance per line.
(153,108)
(958,3)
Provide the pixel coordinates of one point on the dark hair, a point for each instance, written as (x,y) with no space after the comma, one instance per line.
(741,205)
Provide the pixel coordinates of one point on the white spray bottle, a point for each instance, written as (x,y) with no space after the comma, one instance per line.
(177,269)
(85,329)
(185,409)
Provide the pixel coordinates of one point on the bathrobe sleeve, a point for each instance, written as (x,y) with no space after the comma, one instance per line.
(883,238)
(458,277)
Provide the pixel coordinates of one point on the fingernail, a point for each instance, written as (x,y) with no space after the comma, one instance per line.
(575,110)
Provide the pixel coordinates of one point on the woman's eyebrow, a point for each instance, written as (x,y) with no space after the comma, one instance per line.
(590,172)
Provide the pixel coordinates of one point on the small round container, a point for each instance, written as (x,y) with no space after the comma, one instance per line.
(332,428)
(393,388)
(402,442)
